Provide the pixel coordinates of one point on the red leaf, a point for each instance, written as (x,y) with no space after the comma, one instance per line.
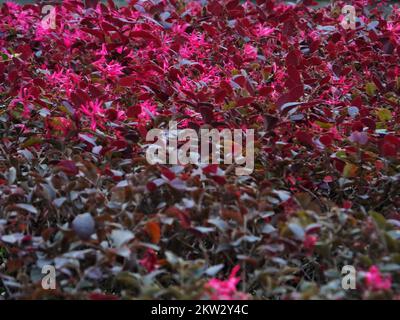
(112,114)
(97,33)
(339,164)
(127,81)
(168,173)
(219,179)
(245,101)
(215,8)
(211,168)
(326,140)
(134,111)
(240,80)
(207,114)
(347,204)
(151,186)
(154,231)
(181,215)
(91,3)
(390,146)
(389,150)
(102,296)
(220,96)
(12,76)
(266,90)
(25,51)
(68,166)
(392,140)
(304,138)
(79,98)
(145,35)
(294,79)
(108,27)
(368,122)
(292,96)
(292,59)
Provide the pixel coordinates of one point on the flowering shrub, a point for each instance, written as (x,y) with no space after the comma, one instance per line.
(375,281)
(76,191)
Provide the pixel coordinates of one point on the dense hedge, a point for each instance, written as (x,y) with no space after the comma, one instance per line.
(76,190)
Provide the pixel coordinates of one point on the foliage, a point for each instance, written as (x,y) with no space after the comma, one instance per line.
(76,191)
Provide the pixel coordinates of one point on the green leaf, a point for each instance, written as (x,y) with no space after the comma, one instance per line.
(341,154)
(350,170)
(324,125)
(379,219)
(384,114)
(370,88)
(31,141)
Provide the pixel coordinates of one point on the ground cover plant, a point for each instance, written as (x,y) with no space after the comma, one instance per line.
(76,191)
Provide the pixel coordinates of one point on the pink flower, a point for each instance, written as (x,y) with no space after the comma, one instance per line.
(226,289)
(103,52)
(375,281)
(262,31)
(111,70)
(149,110)
(94,110)
(68,41)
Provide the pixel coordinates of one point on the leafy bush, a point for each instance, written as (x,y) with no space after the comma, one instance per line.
(77,192)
